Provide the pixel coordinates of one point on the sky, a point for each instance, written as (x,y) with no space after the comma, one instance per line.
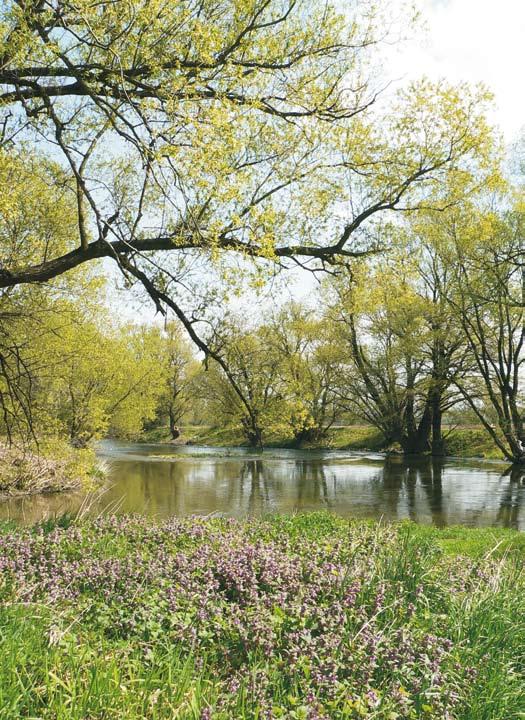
(476,41)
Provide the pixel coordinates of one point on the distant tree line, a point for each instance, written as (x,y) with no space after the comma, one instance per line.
(396,342)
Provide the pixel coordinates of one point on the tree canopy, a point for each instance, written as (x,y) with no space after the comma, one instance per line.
(178,140)
(218,126)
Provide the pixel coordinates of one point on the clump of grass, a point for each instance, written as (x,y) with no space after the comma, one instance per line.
(471,442)
(310,617)
(55,466)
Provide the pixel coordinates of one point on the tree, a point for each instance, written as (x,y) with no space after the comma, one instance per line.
(219,126)
(214,128)
(396,352)
(487,253)
(37,217)
(306,363)
(444,349)
(378,344)
(250,396)
(50,380)
(181,370)
(66,370)
(283,369)
(17,368)
(116,391)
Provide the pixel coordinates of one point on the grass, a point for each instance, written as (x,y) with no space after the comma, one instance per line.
(472,442)
(474,543)
(355,437)
(300,617)
(460,441)
(54,466)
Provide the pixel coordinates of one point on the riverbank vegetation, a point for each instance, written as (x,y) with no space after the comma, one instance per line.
(301,617)
(467,441)
(55,467)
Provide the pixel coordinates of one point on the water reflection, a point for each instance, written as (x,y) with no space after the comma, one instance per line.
(412,487)
(310,479)
(512,498)
(163,481)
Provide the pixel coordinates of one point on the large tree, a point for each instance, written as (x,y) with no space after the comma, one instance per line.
(212,126)
(248,395)
(486,250)
(380,329)
(206,129)
(182,370)
(307,364)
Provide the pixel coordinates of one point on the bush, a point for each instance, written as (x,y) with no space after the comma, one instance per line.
(54,467)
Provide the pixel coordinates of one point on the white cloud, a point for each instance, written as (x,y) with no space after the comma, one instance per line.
(474,41)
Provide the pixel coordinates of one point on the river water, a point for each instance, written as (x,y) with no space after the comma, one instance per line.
(166,480)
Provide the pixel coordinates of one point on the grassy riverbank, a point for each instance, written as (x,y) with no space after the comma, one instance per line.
(54,466)
(460,441)
(306,617)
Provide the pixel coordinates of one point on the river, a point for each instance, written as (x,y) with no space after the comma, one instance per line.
(166,480)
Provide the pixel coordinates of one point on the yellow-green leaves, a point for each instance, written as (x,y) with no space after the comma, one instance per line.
(37,210)
(231,125)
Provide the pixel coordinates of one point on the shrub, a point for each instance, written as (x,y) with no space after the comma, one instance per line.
(54,467)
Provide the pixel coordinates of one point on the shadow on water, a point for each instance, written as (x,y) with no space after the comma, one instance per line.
(162,481)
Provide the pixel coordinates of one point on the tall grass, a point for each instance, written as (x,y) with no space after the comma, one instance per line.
(294,617)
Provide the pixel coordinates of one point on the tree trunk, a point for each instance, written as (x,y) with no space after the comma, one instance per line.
(416,442)
(311,434)
(174,430)
(437,446)
(252,432)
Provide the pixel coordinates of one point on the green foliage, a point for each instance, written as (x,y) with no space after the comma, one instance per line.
(251,398)
(306,364)
(81,377)
(285,369)
(432,621)
(37,213)
(182,374)
(173,138)
(478,246)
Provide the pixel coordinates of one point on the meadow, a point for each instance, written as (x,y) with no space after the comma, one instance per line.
(307,617)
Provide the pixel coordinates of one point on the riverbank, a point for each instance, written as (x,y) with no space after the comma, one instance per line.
(306,617)
(54,467)
(467,442)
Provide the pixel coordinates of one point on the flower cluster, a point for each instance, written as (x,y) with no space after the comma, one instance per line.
(342,620)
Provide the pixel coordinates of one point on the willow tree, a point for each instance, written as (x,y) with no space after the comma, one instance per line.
(307,364)
(249,397)
(211,128)
(182,370)
(486,250)
(36,220)
(379,323)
